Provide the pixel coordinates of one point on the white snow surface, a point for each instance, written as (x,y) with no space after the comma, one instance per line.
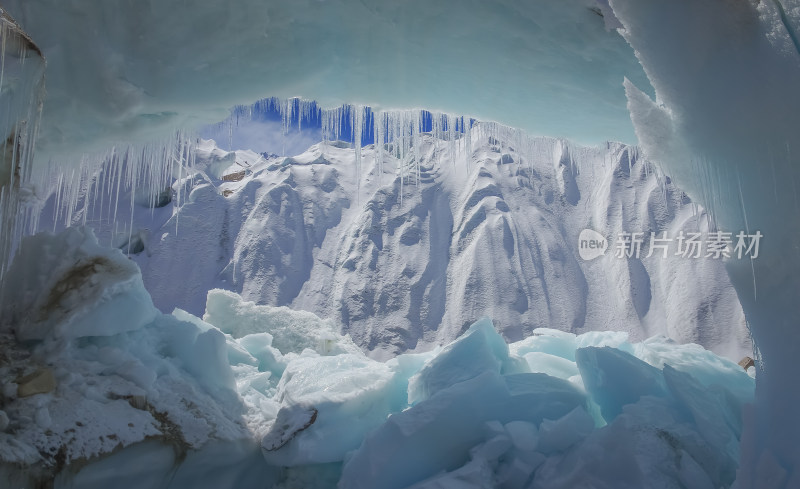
(180,400)
(406,264)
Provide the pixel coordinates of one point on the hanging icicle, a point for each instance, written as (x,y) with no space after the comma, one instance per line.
(22,67)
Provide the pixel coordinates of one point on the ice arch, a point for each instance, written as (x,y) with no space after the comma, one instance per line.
(724,124)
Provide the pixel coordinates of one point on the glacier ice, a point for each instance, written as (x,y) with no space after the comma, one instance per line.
(179,395)
(708,143)
(22,67)
(723,124)
(479,350)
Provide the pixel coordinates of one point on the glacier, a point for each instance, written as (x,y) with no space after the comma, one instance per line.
(490,229)
(716,111)
(215,402)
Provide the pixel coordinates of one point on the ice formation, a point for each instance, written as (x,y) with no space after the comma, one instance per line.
(191,400)
(724,125)
(21,93)
(128,71)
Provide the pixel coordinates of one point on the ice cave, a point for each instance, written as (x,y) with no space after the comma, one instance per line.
(401,244)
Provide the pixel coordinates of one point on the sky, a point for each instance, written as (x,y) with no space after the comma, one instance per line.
(260,128)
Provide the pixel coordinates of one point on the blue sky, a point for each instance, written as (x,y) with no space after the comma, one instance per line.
(259,127)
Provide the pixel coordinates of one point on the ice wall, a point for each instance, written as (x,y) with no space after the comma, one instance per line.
(125,70)
(488,232)
(724,124)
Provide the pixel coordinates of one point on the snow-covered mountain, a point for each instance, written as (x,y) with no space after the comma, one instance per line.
(406,263)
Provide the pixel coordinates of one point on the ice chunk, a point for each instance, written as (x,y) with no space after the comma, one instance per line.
(68,286)
(516,471)
(615,378)
(292,331)
(236,353)
(614,339)
(476,474)
(706,367)
(551,365)
(545,340)
(290,421)
(559,435)
(481,349)
(259,345)
(435,434)
(524,435)
(716,413)
(352,396)
(439,432)
(204,354)
(497,443)
(692,474)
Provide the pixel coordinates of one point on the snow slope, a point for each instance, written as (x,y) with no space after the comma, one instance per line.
(405,264)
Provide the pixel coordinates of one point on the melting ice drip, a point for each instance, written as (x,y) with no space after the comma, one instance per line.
(21,95)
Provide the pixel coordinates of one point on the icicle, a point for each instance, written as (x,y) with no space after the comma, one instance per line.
(468,138)
(377,121)
(451,130)
(21,98)
(357,120)
(402,154)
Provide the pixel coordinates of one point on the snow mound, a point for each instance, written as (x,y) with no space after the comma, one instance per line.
(68,286)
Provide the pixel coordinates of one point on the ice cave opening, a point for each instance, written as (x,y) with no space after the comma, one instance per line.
(198,314)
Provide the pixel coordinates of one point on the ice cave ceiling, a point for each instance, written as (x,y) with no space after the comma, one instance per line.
(122,70)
